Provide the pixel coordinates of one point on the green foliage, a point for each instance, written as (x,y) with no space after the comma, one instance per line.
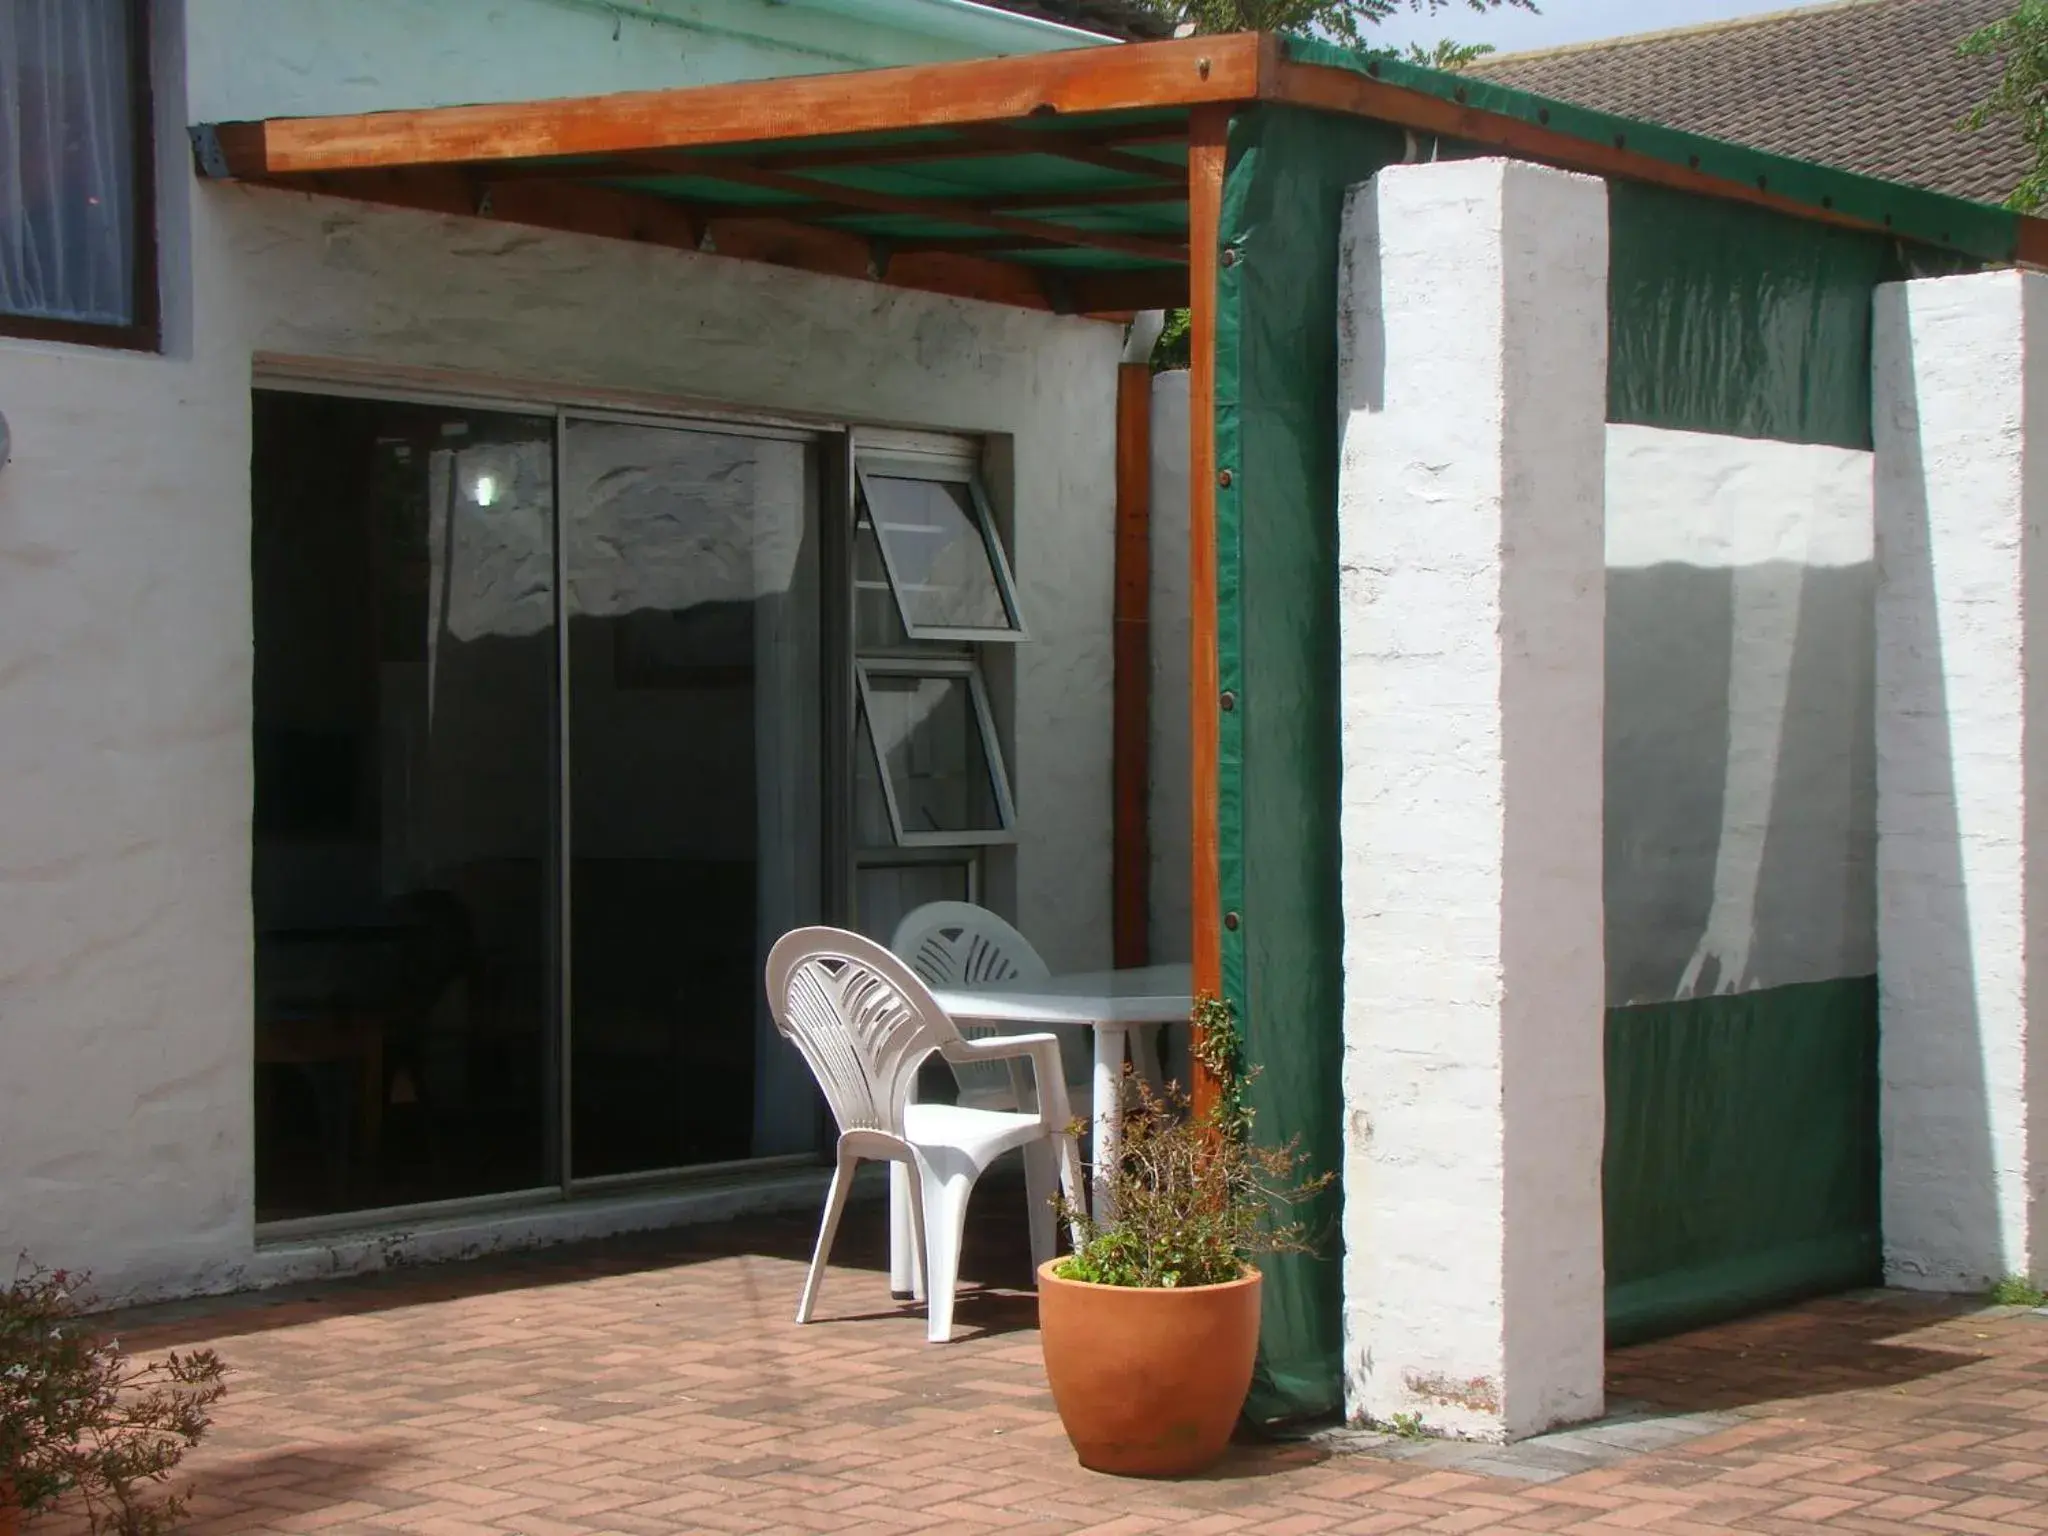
(1194,1199)
(77,1415)
(2021,43)
(1171,350)
(1219,1047)
(1408,1426)
(1344,20)
(2018,1291)
(1448,55)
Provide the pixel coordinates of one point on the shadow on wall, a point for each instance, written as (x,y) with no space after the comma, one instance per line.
(1740,760)
(1740,778)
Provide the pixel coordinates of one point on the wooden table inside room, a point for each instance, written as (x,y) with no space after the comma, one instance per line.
(319,1039)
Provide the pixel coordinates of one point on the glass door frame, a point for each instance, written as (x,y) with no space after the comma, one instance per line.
(832,443)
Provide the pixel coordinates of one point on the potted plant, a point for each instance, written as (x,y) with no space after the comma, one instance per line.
(1151,1326)
(79,1416)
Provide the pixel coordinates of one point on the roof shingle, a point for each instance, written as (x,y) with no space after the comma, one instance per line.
(1866,85)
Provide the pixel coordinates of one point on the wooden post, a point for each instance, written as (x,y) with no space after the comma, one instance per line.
(1208,142)
(1131,749)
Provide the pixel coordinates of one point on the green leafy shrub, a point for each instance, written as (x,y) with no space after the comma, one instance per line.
(79,1416)
(1195,1200)
(2017,1291)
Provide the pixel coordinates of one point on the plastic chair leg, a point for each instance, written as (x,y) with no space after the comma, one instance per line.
(905,1279)
(835,1202)
(1041,1176)
(919,1258)
(948,1179)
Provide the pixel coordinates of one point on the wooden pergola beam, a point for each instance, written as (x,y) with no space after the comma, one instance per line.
(1087,80)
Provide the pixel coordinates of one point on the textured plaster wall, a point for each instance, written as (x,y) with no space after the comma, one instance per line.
(1962,403)
(290,58)
(1741,783)
(125,671)
(1472,319)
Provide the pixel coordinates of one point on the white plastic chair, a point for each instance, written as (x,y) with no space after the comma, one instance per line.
(865,1023)
(957,944)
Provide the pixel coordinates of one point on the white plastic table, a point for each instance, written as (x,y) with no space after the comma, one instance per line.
(1110,1004)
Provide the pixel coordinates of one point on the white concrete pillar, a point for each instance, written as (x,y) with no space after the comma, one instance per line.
(1473,310)
(1961,674)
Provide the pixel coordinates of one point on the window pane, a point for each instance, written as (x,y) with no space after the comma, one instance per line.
(693,780)
(938,560)
(67,151)
(871,827)
(928,737)
(403,566)
(883,895)
(877,626)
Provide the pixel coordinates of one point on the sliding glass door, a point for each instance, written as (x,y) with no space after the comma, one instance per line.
(694,787)
(403,561)
(538,779)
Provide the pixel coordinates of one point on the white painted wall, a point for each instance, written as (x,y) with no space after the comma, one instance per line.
(1740,825)
(1961,403)
(1472,319)
(1172,813)
(125,714)
(295,58)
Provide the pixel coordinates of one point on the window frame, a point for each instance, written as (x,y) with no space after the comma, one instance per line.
(964,669)
(890,466)
(144,333)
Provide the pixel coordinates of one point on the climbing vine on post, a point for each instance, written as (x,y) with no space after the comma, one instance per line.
(1219,1050)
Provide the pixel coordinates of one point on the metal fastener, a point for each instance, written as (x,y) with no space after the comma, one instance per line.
(1229,258)
(1223,478)
(1230,921)
(1229,701)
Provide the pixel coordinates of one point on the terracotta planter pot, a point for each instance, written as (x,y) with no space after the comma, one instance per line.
(1149,1383)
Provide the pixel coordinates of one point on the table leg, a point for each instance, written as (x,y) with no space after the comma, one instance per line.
(1110,1045)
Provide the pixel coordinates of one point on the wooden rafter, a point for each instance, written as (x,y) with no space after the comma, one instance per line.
(943,210)
(967,144)
(971,144)
(1024,141)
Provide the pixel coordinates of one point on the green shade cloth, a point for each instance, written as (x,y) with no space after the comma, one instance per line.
(1737,320)
(1742,1154)
(1276,534)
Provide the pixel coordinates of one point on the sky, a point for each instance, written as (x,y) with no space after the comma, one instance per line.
(1568,21)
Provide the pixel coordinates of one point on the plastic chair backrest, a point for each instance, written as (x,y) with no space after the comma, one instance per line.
(957,944)
(861,1019)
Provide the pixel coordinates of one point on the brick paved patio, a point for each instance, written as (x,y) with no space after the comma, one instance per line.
(657,1385)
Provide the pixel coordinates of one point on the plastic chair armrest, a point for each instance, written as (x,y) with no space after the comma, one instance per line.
(1048,1073)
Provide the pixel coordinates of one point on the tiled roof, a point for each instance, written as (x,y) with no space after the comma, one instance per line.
(1866,85)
